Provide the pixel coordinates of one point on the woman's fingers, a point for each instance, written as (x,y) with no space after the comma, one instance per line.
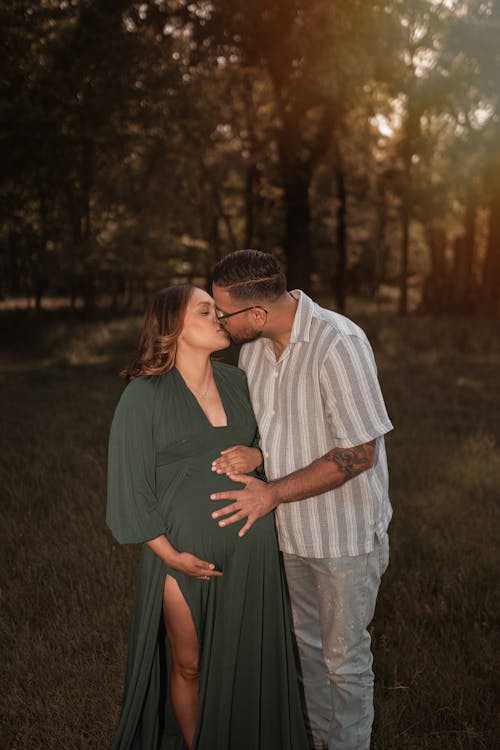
(226,459)
(194,566)
(223,464)
(207,570)
(207,575)
(239,458)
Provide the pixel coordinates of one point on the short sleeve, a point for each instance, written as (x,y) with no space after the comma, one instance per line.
(132,508)
(256,438)
(351,392)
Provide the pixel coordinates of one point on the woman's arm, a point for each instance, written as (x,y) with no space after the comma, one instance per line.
(184,562)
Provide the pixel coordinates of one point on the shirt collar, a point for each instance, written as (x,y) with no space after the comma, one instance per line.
(303,317)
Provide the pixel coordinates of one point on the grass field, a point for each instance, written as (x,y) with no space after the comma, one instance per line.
(66,586)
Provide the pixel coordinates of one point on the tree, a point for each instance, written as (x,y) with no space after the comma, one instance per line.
(306,50)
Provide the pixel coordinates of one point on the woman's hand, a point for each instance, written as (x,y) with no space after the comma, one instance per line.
(239,459)
(184,562)
(191,565)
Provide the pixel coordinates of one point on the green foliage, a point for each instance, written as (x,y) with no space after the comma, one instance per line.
(143,141)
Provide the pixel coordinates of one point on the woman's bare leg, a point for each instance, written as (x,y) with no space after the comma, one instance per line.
(183,642)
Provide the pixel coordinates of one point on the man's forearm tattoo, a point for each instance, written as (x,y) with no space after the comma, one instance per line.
(350,461)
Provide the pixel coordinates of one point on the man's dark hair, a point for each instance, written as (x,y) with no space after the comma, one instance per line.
(250,274)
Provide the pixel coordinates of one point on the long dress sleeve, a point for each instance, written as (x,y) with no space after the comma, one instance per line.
(132,507)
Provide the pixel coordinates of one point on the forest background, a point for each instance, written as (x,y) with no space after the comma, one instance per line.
(360,141)
(142,141)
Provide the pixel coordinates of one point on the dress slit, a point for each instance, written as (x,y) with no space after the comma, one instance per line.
(167,662)
(188,603)
(161,452)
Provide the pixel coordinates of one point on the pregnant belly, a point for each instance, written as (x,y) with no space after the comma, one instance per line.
(191,528)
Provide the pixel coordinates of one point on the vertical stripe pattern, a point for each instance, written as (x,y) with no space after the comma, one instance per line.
(322,393)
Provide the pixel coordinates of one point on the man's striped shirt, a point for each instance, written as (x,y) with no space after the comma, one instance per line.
(322,393)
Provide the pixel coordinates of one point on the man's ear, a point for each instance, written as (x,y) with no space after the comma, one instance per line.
(259,316)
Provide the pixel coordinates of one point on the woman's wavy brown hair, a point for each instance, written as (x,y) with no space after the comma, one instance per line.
(161,327)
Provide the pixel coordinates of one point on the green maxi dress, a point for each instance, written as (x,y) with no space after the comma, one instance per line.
(160,480)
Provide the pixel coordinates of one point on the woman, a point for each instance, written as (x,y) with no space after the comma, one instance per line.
(210,662)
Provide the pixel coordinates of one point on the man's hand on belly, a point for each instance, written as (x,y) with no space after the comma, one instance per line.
(256,500)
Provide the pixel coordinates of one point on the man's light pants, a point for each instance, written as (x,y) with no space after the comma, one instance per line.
(333,601)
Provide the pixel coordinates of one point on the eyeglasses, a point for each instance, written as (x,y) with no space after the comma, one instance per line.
(224,316)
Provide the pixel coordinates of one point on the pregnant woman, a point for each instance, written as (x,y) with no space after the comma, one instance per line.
(210,663)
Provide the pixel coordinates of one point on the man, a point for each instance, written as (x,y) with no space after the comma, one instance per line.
(321,416)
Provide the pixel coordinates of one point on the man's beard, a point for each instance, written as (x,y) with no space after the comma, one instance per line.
(245,337)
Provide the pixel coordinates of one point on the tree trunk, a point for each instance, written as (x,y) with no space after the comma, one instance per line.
(411,134)
(340,275)
(405,244)
(490,291)
(72,297)
(88,292)
(297,171)
(406,213)
(88,286)
(224,217)
(130,294)
(469,251)
(250,182)
(13,277)
(208,218)
(214,195)
(435,297)
(380,248)
(463,251)
(252,170)
(41,271)
(296,240)
(212,235)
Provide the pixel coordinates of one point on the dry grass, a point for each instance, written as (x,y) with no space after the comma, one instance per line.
(66,587)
